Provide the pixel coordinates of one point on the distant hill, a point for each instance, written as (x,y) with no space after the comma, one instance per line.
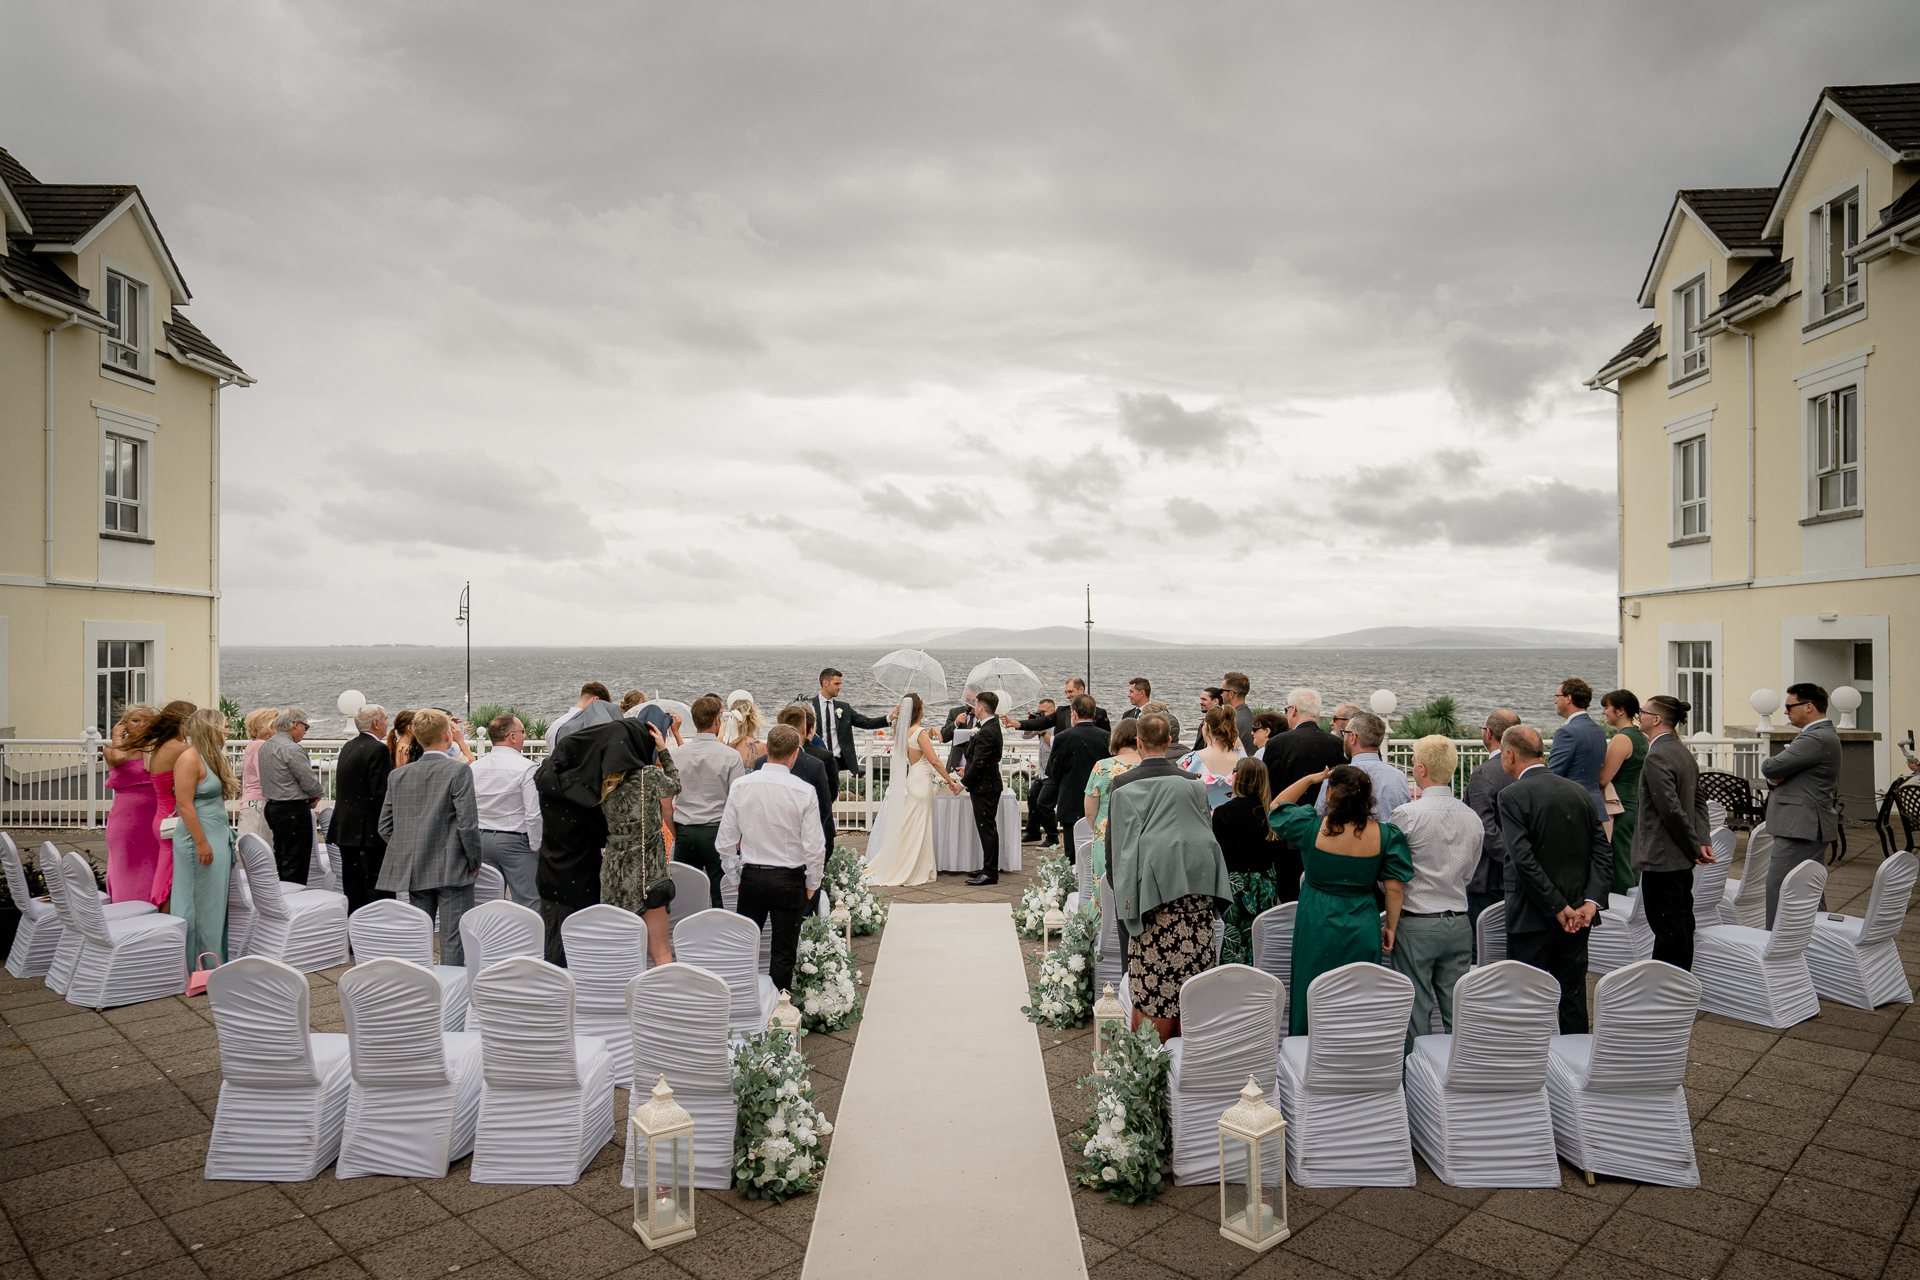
(1459,638)
(1006,640)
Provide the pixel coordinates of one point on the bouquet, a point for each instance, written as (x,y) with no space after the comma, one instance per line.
(1049,891)
(776,1149)
(1125,1143)
(824,979)
(846,886)
(1062,992)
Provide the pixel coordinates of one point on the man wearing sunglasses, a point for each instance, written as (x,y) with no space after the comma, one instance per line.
(1803,803)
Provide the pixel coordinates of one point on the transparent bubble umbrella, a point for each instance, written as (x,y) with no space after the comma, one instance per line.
(907,671)
(1015,681)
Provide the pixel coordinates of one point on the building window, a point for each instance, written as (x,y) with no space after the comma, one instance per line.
(120,485)
(1693,678)
(120,679)
(125,312)
(1690,458)
(1690,312)
(1836,227)
(1836,429)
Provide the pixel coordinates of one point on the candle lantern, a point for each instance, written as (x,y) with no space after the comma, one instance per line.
(1253,1207)
(842,919)
(1055,923)
(660,1143)
(1109,1020)
(786,1017)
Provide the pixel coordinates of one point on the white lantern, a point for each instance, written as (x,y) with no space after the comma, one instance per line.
(660,1143)
(786,1017)
(1845,701)
(842,919)
(1764,703)
(350,703)
(1253,1210)
(1383,702)
(1109,1020)
(1054,922)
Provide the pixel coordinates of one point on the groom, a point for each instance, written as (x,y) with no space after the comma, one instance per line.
(981,776)
(836,723)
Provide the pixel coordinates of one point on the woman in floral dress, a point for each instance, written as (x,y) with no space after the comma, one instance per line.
(1123,744)
(636,855)
(1250,847)
(1215,762)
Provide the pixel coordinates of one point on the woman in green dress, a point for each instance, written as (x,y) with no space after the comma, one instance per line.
(636,854)
(1626,753)
(203,841)
(1124,744)
(1343,856)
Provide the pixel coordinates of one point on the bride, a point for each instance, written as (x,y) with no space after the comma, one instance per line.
(906,851)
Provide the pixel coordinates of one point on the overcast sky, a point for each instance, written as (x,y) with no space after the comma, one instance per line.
(705,322)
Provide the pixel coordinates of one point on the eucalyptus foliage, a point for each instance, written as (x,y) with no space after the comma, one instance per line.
(846,885)
(825,983)
(1062,990)
(1050,890)
(1125,1144)
(776,1149)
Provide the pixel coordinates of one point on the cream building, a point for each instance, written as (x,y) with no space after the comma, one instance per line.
(110,496)
(1769,432)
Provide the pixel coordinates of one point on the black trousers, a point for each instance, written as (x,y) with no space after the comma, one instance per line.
(553,914)
(1072,809)
(291,822)
(779,894)
(1042,800)
(359,872)
(986,817)
(1564,955)
(1668,899)
(693,845)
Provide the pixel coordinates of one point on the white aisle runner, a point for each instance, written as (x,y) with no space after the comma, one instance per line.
(945,1160)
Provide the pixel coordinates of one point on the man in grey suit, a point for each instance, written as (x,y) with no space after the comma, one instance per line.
(432,830)
(1803,803)
(1672,833)
(1559,864)
(1579,745)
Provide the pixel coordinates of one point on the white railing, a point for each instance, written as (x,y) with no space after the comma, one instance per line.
(57,783)
(1740,756)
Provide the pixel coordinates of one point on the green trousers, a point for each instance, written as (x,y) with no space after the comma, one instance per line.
(1434,951)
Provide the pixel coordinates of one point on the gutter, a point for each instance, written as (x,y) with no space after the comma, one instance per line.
(1615,372)
(217,371)
(53,307)
(1895,241)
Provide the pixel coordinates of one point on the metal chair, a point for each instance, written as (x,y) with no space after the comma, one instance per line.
(1736,793)
(1903,798)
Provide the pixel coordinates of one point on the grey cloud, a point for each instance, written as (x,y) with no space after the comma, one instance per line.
(700,563)
(947,506)
(1495,381)
(402,500)
(1575,526)
(1191,516)
(1159,424)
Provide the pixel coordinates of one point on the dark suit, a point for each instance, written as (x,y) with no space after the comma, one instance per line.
(1306,748)
(1075,752)
(360,789)
(1557,856)
(959,752)
(982,781)
(1061,720)
(836,735)
(1667,836)
(1803,807)
(1578,752)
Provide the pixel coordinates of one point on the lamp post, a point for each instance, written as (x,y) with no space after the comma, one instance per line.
(1089,638)
(462,621)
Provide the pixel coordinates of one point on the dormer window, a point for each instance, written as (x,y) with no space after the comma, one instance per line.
(1692,308)
(1836,229)
(125,345)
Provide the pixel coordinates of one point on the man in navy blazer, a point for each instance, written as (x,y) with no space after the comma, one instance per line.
(1580,745)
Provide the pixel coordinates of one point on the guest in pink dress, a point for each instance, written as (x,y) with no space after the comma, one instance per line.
(162,738)
(253,801)
(133,850)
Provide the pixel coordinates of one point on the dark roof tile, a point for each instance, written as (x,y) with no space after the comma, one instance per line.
(64,212)
(1643,342)
(1900,210)
(28,270)
(186,335)
(1760,281)
(1891,110)
(13,172)
(1735,214)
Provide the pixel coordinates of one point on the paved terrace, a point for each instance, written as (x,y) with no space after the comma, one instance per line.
(1808,1141)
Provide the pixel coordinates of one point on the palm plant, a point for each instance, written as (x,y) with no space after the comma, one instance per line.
(1440,715)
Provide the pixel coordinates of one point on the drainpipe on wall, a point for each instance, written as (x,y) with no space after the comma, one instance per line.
(1751,512)
(46,566)
(213,547)
(1619,533)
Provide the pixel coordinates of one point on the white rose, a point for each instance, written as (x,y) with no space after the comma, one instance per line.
(1110,1173)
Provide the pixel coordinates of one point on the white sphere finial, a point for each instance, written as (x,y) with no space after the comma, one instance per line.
(1765,701)
(1845,701)
(1383,702)
(350,703)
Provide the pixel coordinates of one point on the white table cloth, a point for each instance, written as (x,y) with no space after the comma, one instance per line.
(956,841)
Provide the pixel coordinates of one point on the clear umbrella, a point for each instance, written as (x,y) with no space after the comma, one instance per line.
(907,671)
(1015,681)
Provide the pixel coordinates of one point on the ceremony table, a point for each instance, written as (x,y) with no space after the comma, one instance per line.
(956,841)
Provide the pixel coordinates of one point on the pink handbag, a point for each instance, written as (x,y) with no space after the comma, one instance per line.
(197,980)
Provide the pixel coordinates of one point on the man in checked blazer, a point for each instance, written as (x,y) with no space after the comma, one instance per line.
(432,830)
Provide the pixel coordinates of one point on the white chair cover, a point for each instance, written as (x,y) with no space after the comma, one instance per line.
(1340,1085)
(124,959)
(547,1108)
(1082,869)
(1273,947)
(306,928)
(239,911)
(1490,935)
(606,949)
(1618,1103)
(1229,1030)
(38,935)
(678,1016)
(387,929)
(1745,900)
(283,1089)
(1853,959)
(1716,816)
(415,1099)
(1710,880)
(692,892)
(323,863)
(1758,976)
(1477,1099)
(727,944)
(730,889)
(1106,954)
(499,931)
(66,951)
(489,885)
(1621,935)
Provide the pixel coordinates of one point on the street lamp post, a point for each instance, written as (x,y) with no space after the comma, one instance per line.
(462,621)
(1089,637)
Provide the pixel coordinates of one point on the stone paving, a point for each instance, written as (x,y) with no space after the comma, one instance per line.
(1808,1141)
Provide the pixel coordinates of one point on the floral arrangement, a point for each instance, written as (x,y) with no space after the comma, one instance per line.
(776,1149)
(825,983)
(1125,1144)
(1062,991)
(847,887)
(1050,890)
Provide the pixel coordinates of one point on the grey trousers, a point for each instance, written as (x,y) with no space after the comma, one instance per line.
(1434,951)
(517,860)
(449,903)
(1788,854)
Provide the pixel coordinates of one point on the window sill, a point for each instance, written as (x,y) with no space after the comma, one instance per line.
(1693,541)
(1691,381)
(141,381)
(1828,517)
(1838,320)
(125,537)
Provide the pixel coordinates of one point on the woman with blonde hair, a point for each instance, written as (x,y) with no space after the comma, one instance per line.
(253,801)
(203,843)
(133,850)
(741,727)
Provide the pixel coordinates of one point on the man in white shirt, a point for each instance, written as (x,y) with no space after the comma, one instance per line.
(771,832)
(708,770)
(1434,944)
(1363,735)
(509,809)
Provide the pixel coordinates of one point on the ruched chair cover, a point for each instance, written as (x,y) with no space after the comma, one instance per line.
(1761,976)
(1745,899)
(1490,935)
(1082,870)
(489,885)
(606,949)
(1710,880)
(677,1016)
(1340,1085)
(727,944)
(1273,947)
(1106,953)
(1852,959)
(239,911)
(547,1108)
(283,1088)
(1477,1099)
(40,929)
(1619,1107)
(66,951)
(499,931)
(415,1098)
(306,928)
(323,863)
(122,960)
(1621,935)
(1229,1030)
(692,892)
(387,929)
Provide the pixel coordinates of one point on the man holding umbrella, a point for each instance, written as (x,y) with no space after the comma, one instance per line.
(836,722)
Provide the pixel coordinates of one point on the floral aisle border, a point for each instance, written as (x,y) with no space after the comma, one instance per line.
(1050,890)
(1125,1144)
(1062,989)
(776,1148)
(825,983)
(847,887)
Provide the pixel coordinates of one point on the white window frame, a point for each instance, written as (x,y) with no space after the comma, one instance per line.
(1681,431)
(1672,636)
(138,428)
(140,374)
(1698,282)
(1821,320)
(1834,436)
(1691,463)
(1847,373)
(152,634)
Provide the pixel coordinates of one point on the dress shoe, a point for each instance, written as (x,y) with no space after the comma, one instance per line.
(980,879)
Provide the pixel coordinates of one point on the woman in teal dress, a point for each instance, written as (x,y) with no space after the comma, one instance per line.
(1343,856)
(1626,754)
(203,841)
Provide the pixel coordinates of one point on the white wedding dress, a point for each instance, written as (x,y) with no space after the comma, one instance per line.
(906,851)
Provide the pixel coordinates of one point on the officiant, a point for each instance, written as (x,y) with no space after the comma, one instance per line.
(836,722)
